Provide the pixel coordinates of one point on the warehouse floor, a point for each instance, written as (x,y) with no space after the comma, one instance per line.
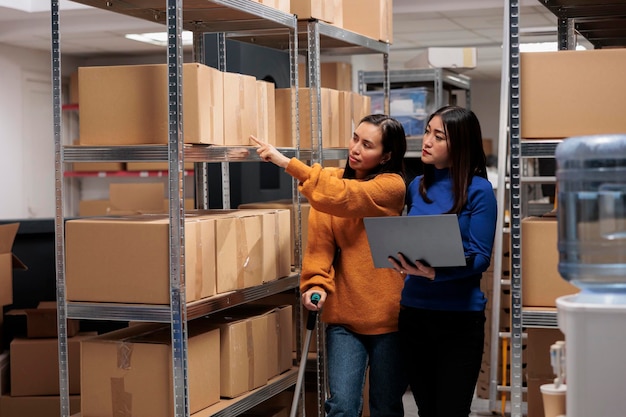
(480,407)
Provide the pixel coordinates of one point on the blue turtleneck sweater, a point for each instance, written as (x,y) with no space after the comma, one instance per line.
(455,288)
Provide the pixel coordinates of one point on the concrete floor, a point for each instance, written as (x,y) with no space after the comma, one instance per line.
(480,407)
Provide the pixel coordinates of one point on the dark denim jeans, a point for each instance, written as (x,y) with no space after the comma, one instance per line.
(348,355)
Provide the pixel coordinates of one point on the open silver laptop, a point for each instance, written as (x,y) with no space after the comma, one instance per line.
(433,239)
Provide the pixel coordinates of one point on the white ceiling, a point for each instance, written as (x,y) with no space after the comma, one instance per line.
(418,24)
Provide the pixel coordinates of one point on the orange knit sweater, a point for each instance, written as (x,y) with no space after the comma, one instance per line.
(362,298)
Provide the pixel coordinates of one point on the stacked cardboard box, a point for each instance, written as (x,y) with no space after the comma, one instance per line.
(126,258)
(34,351)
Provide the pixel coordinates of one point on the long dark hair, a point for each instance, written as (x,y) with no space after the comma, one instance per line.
(465,150)
(393,141)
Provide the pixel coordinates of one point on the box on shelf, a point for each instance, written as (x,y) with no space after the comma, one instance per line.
(334,75)
(282,5)
(329,102)
(542,283)
(132,198)
(39,322)
(572,93)
(446,57)
(126,259)
(314,9)
(123,105)
(41,357)
(240,109)
(266,108)
(370,18)
(36,406)
(243,354)
(131,369)
(287,204)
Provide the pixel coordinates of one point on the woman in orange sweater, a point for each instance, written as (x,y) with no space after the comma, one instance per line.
(359,304)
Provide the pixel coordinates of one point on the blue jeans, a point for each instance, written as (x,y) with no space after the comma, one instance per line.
(348,355)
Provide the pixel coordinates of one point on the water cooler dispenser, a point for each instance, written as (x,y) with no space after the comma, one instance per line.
(591,184)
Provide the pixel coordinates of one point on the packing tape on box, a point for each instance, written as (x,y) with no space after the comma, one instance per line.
(250,345)
(124,354)
(120,399)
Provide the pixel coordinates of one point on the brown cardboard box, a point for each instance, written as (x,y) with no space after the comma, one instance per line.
(42,321)
(305,208)
(240,109)
(73,88)
(38,406)
(126,259)
(266,108)
(122,105)
(282,5)
(329,101)
(333,75)
(313,9)
(276,235)
(146,197)
(279,332)
(371,18)
(40,357)
(541,282)
(243,355)
(90,208)
(572,93)
(131,369)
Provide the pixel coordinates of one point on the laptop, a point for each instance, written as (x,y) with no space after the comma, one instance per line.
(432,239)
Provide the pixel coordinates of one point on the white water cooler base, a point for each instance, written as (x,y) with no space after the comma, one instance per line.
(595,349)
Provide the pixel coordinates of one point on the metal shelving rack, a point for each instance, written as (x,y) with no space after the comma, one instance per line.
(243,16)
(601,22)
(242,20)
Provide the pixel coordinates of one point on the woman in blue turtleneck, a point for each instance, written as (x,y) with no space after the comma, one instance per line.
(442,312)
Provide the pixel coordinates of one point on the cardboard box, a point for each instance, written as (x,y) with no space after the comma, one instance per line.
(37,406)
(240,109)
(41,357)
(131,369)
(444,57)
(305,208)
(333,75)
(123,105)
(541,282)
(266,108)
(131,198)
(329,102)
(276,244)
(282,5)
(313,9)
(370,18)
(40,322)
(572,93)
(243,354)
(126,259)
